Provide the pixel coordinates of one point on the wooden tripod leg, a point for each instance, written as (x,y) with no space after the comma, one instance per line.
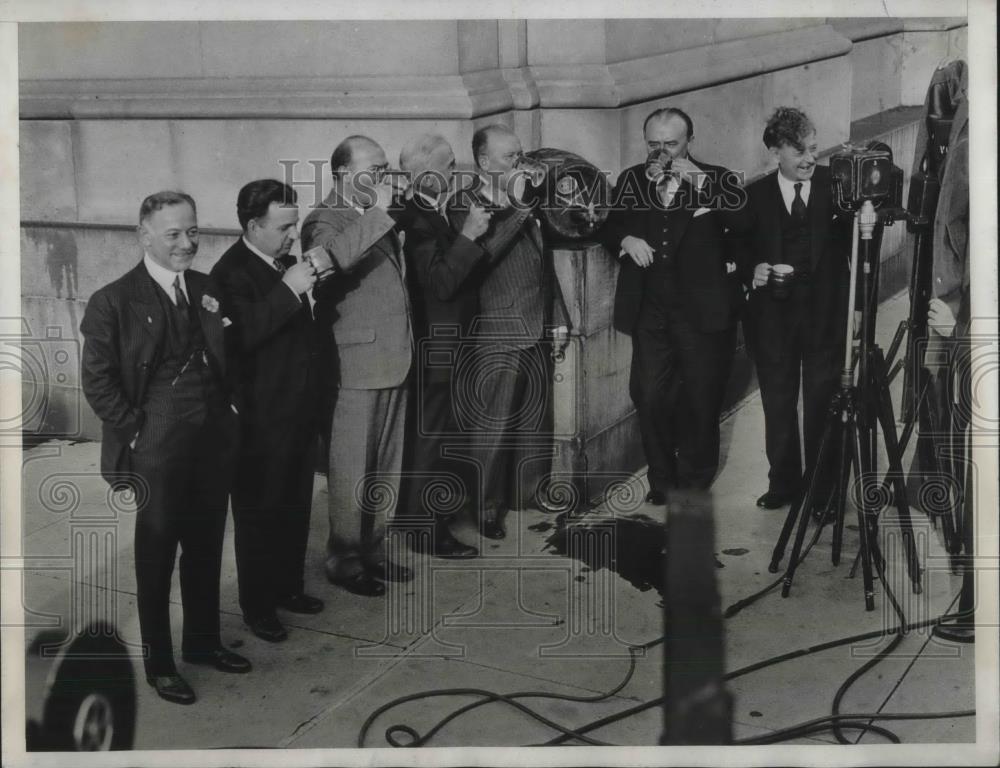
(804,504)
(888,422)
(864,532)
(843,481)
(805,507)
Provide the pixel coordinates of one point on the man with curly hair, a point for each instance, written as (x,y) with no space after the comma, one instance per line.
(795,339)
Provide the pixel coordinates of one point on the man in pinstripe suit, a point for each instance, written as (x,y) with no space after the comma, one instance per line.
(154,371)
(368,356)
(506,405)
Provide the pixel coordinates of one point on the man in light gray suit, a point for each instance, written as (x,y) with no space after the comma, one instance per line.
(363,313)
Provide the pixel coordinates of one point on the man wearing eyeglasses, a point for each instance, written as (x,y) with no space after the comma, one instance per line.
(363,311)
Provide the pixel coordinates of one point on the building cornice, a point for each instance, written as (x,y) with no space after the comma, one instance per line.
(468,96)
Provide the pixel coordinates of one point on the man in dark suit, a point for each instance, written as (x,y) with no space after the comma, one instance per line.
(442,266)
(264,293)
(678,297)
(154,371)
(507,392)
(796,340)
(364,312)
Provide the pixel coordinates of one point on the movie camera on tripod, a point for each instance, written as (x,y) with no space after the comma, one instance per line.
(864,179)
(865,173)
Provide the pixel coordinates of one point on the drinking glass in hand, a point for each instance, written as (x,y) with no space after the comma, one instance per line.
(658,165)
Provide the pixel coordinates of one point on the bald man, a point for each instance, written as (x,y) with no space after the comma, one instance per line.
(678,296)
(444,267)
(521,320)
(365,305)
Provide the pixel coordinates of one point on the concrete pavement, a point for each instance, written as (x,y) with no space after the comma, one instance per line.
(521,618)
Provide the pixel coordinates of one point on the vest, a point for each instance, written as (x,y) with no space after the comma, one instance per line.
(795,239)
(183,386)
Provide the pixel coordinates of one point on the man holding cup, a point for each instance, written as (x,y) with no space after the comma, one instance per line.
(441,263)
(273,338)
(363,310)
(677,297)
(797,268)
(520,309)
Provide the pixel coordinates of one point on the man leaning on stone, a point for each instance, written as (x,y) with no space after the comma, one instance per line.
(521,312)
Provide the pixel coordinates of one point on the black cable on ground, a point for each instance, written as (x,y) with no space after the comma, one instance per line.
(487,697)
(837,720)
(853,721)
(880,656)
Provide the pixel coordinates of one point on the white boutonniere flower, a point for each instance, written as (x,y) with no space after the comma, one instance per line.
(210,303)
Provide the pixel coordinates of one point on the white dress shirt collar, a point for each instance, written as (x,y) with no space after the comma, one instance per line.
(436,205)
(269,260)
(787,187)
(165,278)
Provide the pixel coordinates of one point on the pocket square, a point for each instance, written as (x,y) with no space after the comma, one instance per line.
(226,322)
(701,212)
(730,267)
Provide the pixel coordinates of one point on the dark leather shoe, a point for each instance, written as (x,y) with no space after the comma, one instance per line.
(656,498)
(389,571)
(494,529)
(773,500)
(222,659)
(266,628)
(301,603)
(447,546)
(172,688)
(361,583)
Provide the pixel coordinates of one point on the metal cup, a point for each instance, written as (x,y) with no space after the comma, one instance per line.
(534,170)
(658,164)
(779,281)
(321,262)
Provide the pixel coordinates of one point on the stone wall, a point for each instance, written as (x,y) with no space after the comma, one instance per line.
(128,108)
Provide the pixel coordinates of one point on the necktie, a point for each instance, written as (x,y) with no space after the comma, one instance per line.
(281,265)
(798,204)
(179,297)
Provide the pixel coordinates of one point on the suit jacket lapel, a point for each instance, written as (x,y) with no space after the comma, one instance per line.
(211,322)
(535,234)
(264,276)
(389,243)
(438,221)
(819,217)
(145,305)
(772,231)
